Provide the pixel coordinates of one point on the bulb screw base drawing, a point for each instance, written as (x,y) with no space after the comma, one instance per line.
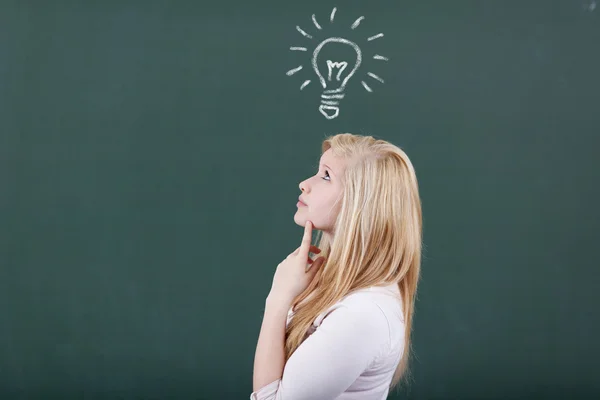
(330,101)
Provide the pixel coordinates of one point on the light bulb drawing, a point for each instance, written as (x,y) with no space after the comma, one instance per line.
(334,74)
(330,99)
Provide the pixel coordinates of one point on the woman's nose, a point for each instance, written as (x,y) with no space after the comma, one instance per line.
(303,186)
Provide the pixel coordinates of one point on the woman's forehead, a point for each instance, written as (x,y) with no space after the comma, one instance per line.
(331,160)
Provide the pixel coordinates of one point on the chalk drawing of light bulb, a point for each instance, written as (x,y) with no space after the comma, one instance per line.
(331,97)
(336,72)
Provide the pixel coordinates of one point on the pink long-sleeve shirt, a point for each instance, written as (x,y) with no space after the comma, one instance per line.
(351,352)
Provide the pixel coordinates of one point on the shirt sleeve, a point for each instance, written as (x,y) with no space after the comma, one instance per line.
(348,340)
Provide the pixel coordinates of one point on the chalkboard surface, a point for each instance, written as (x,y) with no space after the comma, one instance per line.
(150,155)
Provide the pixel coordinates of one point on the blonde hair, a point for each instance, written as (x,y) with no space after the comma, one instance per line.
(376,241)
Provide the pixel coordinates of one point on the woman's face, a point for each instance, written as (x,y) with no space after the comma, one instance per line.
(320,194)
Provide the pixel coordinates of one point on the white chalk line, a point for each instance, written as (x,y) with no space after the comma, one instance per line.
(304,84)
(357,22)
(372,75)
(332,96)
(293,71)
(303,33)
(315,22)
(375,37)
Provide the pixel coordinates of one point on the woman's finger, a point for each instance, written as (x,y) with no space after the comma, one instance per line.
(306,239)
(315,266)
(313,249)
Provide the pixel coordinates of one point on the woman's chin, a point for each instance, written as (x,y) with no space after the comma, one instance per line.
(298,219)
(301,217)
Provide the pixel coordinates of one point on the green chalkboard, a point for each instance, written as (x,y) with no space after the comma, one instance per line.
(150,155)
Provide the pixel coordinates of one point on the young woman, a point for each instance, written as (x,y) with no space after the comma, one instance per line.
(341,329)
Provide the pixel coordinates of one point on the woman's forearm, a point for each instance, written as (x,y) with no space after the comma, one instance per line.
(269,359)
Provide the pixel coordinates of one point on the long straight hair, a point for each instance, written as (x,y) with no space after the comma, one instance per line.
(376,241)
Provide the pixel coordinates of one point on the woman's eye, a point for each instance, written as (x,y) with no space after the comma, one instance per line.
(326,176)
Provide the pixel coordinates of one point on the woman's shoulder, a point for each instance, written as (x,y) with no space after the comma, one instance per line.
(386,297)
(384,301)
(380,308)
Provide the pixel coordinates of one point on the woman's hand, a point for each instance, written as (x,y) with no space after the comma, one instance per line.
(292,276)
